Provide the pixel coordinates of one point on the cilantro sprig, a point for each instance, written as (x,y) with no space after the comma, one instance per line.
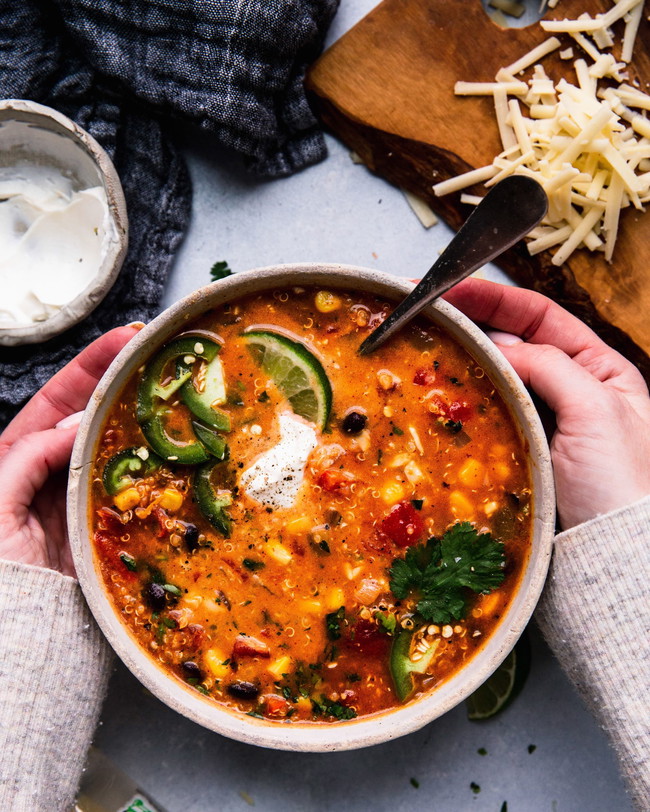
(220,270)
(440,572)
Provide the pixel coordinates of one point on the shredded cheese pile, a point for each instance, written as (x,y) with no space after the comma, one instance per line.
(587,144)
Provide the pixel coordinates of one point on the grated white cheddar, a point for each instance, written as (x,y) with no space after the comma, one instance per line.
(588,145)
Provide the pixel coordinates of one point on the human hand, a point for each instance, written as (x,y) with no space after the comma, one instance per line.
(601,447)
(35,449)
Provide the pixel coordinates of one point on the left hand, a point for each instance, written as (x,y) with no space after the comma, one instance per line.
(35,449)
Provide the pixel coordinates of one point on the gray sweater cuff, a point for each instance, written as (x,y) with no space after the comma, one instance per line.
(54,669)
(594,615)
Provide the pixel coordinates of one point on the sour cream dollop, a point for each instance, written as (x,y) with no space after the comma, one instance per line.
(52,241)
(274,479)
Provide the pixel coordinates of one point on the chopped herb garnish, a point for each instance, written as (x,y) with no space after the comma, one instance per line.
(169,622)
(417,503)
(442,570)
(202,689)
(252,564)
(263,397)
(129,561)
(333,622)
(504,806)
(220,270)
(475,787)
(436,364)
(482,751)
(380,454)
(456,382)
(415,783)
(172,589)
(353,678)
(454,425)
(396,430)
(326,707)
(532,748)
(320,547)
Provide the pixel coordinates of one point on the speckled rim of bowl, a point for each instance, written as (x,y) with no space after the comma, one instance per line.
(40,116)
(313,737)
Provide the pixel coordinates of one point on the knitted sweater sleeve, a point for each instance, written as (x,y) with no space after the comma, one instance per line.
(54,667)
(594,615)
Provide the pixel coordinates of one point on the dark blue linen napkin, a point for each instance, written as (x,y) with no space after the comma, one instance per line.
(122,69)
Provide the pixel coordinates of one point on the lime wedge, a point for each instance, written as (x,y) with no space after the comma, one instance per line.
(498,691)
(297,373)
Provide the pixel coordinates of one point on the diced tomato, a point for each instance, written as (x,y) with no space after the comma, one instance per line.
(334,480)
(403,525)
(109,550)
(196,634)
(367,637)
(460,410)
(424,377)
(161,517)
(274,705)
(110,521)
(249,647)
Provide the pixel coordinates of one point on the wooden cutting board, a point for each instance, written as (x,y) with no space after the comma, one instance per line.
(386,88)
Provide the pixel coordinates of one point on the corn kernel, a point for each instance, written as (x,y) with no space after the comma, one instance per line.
(334,599)
(326,301)
(471,473)
(392,493)
(310,607)
(490,603)
(501,471)
(298,526)
(171,500)
(214,660)
(303,703)
(279,553)
(280,666)
(461,506)
(126,499)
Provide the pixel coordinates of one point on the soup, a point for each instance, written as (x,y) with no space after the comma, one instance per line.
(301,533)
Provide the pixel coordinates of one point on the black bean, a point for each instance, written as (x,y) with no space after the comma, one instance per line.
(154,595)
(191,537)
(243,690)
(354,422)
(191,669)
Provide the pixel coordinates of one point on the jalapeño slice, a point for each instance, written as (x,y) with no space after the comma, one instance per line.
(126,466)
(211,503)
(205,393)
(402,667)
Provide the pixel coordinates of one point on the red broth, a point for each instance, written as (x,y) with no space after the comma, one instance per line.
(278,596)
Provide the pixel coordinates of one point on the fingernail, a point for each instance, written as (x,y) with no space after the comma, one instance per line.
(137,324)
(504,339)
(70,422)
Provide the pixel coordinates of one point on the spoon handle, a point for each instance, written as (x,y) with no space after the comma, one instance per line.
(505,215)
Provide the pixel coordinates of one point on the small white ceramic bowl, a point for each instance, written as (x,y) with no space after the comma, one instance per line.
(368,730)
(33,133)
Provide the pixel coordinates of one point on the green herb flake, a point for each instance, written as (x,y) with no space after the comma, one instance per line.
(253,565)
(417,503)
(475,787)
(414,783)
(172,589)
(129,561)
(202,689)
(353,678)
(333,622)
(532,748)
(326,707)
(220,270)
(482,751)
(454,426)
(263,397)
(504,806)
(396,430)
(380,454)
(441,571)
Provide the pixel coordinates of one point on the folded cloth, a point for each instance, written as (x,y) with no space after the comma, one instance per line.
(120,67)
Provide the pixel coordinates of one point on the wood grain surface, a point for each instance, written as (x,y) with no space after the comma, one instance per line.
(386,89)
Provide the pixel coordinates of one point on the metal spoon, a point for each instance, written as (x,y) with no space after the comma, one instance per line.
(505,215)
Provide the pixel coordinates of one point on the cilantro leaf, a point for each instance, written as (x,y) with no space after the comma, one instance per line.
(220,270)
(333,622)
(440,572)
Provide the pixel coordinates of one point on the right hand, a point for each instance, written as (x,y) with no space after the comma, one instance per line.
(601,447)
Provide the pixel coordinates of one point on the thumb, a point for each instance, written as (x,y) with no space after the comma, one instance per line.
(30,461)
(559,380)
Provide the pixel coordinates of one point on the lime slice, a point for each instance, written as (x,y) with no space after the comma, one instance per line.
(297,373)
(498,691)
